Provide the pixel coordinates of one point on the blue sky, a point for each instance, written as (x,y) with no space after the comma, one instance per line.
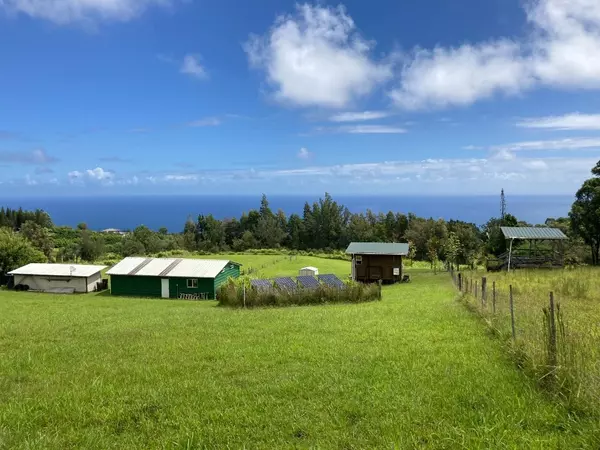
(382,97)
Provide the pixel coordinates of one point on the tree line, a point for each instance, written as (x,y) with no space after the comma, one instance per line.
(324,226)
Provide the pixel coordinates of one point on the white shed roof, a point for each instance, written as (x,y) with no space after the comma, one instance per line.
(58,270)
(170,267)
(314,269)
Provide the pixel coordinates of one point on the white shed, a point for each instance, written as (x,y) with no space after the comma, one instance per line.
(309,272)
(63,278)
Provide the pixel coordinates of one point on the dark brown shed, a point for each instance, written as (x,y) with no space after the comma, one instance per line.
(374,261)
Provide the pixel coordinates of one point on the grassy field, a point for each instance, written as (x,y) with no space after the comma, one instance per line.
(578,293)
(270,266)
(412,371)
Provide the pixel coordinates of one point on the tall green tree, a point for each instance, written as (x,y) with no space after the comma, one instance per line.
(452,249)
(40,237)
(91,246)
(585,214)
(189,235)
(495,242)
(295,231)
(132,247)
(17,251)
(210,233)
(148,238)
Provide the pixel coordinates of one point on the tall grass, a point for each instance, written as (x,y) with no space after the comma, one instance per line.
(239,293)
(575,375)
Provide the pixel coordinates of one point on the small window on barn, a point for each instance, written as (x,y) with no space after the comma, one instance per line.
(358,260)
(192,283)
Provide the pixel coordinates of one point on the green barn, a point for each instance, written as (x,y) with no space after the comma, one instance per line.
(171,278)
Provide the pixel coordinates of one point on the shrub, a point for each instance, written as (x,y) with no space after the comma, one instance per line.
(231,294)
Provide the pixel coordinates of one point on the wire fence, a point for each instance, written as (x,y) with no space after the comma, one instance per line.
(537,335)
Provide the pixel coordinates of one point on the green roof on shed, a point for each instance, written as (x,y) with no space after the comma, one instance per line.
(532,233)
(377,248)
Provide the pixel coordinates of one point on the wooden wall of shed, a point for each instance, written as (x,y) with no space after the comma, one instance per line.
(376,267)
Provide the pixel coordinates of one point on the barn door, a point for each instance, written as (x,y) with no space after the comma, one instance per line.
(375,273)
(164,288)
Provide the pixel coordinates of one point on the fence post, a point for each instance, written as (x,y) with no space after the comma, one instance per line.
(476,290)
(379,285)
(460,282)
(552,358)
(483,291)
(512,312)
(494,297)
(244,295)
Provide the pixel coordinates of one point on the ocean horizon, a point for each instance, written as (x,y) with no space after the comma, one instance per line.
(171,211)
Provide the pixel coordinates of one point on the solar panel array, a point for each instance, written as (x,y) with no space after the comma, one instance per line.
(308,282)
(331,280)
(285,283)
(304,281)
(262,284)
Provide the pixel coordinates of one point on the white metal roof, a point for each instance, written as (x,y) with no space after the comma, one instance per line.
(201,268)
(170,267)
(155,267)
(125,266)
(314,269)
(58,270)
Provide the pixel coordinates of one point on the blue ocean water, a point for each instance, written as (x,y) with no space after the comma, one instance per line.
(127,212)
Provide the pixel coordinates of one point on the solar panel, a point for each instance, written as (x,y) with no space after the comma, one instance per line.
(261,284)
(308,282)
(285,283)
(331,280)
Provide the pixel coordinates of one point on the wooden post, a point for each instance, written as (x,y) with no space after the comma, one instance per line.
(510,253)
(476,290)
(483,291)
(512,313)
(494,297)
(552,358)
(244,295)
(460,282)
(379,283)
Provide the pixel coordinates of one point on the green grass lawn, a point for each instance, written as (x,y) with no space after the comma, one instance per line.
(412,371)
(270,266)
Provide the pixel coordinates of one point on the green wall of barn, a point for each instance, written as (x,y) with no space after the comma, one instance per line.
(135,286)
(179,286)
(230,271)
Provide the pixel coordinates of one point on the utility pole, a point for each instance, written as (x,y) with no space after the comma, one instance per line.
(502,205)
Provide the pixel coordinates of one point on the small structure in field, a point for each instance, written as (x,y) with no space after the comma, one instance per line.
(308,272)
(171,277)
(58,278)
(374,261)
(545,249)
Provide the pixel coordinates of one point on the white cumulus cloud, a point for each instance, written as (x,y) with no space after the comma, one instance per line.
(561,51)
(443,77)
(303,153)
(191,66)
(317,58)
(70,11)
(94,175)
(99,174)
